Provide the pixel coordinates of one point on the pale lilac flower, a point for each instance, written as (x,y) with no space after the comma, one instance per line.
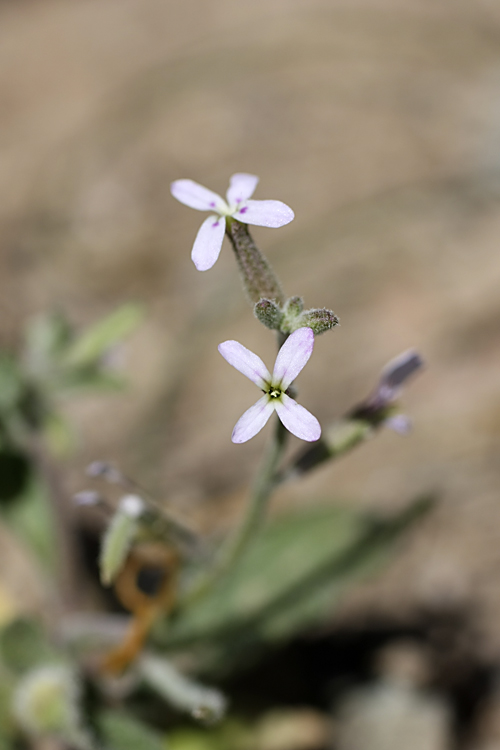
(291,358)
(208,242)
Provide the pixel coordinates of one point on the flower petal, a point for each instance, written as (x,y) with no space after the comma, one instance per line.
(298,420)
(265,213)
(246,362)
(208,242)
(400,423)
(241,187)
(293,356)
(196,196)
(253,420)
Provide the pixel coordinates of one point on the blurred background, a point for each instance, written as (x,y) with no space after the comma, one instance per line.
(378,122)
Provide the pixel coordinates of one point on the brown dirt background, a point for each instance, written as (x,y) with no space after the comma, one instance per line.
(379,123)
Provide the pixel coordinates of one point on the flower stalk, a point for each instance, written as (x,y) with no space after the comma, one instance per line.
(259,279)
(235,546)
(361,422)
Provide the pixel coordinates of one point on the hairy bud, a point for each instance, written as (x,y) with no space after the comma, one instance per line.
(269,313)
(46,702)
(293,306)
(292,315)
(320,320)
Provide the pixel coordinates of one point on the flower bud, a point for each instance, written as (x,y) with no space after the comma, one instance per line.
(103,470)
(46,703)
(320,320)
(379,406)
(269,313)
(292,315)
(87,498)
(360,423)
(293,306)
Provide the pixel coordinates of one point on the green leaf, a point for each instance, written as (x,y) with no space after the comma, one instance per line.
(182,692)
(11,385)
(116,544)
(30,518)
(47,337)
(120,732)
(231,735)
(7,728)
(58,434)
(94,342)
(94,378)
(23,645)
(292,576)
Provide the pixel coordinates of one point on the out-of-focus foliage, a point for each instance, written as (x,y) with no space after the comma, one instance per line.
(55,362)
(24,645)
(120,731)
(116,544)
(30,518)
(61,361)
(204,703)
(231,735)
(290,578)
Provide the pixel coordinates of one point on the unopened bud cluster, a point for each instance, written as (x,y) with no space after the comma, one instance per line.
(292,316)
(46,704)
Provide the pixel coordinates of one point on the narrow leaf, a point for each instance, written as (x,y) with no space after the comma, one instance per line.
(94,342)
(116,545)
(202,702)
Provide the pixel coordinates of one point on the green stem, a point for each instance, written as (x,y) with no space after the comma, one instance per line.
(260,282)
(262,489)
(337,440)
(236,545)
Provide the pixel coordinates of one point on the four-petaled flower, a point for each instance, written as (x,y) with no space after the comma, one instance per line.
(208,242)
(291,358)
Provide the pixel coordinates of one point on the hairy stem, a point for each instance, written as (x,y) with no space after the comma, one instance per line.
(258,277)
(236,545)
